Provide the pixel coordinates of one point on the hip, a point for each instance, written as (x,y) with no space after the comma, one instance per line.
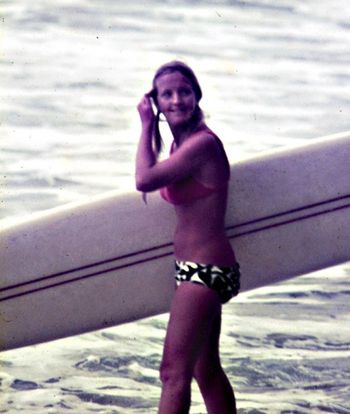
(214,249)
(225,281)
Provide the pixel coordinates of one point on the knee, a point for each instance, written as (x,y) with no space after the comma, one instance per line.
(175,375)
(205,374)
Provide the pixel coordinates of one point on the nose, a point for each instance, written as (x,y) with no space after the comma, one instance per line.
(176,98)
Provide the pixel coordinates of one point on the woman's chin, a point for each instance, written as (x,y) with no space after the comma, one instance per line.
(178,121)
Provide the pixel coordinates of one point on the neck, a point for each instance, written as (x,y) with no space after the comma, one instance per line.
(180,135)
(182,132)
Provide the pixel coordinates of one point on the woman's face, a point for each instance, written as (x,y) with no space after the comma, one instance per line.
(175,98)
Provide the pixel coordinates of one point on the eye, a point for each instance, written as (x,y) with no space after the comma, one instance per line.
(185,91)
(166,94)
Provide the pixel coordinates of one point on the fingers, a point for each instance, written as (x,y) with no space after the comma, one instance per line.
(145,109)
(145,100)
(150,93)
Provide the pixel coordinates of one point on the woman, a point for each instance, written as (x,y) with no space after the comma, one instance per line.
(195,180)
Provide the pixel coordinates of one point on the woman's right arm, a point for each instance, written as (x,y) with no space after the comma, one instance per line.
(145,157)
(188,158)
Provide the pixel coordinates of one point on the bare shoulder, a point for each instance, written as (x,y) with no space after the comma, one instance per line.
(217,165)
(211,143)
(202,141)
(199,149)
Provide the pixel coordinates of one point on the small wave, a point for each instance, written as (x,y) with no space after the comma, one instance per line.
(264,6)
(53,380)
(22,385)
(38,182)
(285,341)
(114,363)
(107,399)
(331,408)
(83,85)
(267,375)
(288,341)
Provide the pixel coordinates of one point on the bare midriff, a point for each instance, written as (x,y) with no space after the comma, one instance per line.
(200,236)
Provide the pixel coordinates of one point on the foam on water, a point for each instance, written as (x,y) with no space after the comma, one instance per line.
(281,346)
(274,74)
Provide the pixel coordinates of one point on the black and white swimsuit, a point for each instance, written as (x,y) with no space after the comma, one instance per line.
(225,280)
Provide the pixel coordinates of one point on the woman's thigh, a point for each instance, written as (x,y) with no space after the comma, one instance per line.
(193,311)
(208,360)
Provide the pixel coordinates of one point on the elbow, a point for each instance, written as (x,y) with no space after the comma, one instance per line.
(146,180)
(141,187)
(142,184)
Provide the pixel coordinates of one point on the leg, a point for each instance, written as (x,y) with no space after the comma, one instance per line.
(212,381)
(192,312)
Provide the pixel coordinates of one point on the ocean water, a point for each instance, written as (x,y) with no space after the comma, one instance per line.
(274,73)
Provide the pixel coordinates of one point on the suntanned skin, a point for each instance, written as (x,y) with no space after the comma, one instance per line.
(199,234)
(192,342)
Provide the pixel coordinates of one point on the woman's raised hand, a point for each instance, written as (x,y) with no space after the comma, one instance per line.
(145,110)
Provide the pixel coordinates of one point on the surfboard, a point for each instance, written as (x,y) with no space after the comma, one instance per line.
(105,262)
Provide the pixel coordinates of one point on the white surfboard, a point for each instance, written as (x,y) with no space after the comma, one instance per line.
(84,267)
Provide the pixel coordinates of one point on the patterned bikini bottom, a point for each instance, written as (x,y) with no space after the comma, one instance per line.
(225,280)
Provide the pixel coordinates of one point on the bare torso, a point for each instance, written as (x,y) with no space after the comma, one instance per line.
(200,231)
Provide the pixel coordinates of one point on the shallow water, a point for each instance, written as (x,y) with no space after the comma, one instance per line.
(274,73)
